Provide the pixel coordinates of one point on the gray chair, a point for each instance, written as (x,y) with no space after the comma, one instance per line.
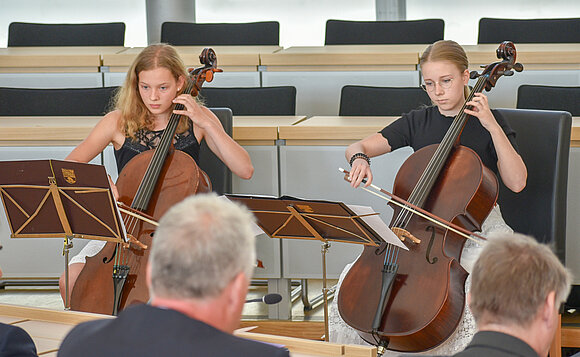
(549,98)
(495,31)
(381,101)
(340,32)
(543,139)
(55,102)
(96,34)
(252,100)
(218,172)
(224,34)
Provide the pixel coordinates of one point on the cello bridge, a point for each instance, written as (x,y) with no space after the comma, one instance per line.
(134,243)
(402,234)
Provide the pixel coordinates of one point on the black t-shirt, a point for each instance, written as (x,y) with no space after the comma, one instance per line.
(427,126)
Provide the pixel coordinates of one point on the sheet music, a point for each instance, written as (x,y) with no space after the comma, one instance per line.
(255,228)
(378,225)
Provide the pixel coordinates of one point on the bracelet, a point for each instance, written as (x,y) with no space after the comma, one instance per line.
(359,155)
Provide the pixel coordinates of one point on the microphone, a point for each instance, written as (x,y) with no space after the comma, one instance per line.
(268,299)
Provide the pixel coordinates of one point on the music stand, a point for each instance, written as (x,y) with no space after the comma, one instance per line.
(292,218)
(59,199)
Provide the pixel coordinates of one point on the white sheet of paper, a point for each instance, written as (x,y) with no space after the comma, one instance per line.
(378,225)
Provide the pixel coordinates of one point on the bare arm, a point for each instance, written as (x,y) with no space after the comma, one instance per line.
(373,145)
(512,168)
(104,133)
(209,127)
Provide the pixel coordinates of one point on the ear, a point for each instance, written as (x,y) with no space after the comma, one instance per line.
(235,299)
(180,82)
(238,289)
(549,309)
(465,76)
(148,275)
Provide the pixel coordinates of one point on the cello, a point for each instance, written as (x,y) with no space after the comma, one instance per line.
(413,300)
(149,184)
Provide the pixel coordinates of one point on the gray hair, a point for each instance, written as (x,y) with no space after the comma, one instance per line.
(512,278)
(201,244)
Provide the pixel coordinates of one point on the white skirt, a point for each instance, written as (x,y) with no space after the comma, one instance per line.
(340,332)
(91,249)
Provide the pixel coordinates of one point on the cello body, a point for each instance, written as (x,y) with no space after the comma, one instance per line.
(94,289)
(428,297)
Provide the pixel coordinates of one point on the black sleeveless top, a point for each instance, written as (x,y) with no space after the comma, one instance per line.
(147,140)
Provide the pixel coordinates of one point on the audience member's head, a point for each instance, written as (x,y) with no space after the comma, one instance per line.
(204,252)
(517,288)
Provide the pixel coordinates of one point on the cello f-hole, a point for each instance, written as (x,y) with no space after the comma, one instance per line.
(430,246)
(107,261)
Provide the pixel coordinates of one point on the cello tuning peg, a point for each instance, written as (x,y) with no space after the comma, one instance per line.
(508,73)
(473,74)
(518,67)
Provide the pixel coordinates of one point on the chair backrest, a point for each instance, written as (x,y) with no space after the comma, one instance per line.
(543,138)
(549,98)
(529,31)
(339,32)
(218,172)
(381,101)
(225,34)
(252,100)
(55,102)
(96,34)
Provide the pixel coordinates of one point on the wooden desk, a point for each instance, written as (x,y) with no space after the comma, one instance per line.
(344,58)
(230,58)
(240,64)
(53,59)
(49,327)
(45,131)
(261,129)
(575,135)
(534,56)
(332,130)
(319,73)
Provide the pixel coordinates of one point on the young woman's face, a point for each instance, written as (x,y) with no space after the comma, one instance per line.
(158,88)
(444,83)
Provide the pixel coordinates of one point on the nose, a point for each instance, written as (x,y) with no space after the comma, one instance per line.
(154,94)
(438,89)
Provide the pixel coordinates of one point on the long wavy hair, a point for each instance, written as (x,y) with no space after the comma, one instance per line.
(447,50)
(134,114)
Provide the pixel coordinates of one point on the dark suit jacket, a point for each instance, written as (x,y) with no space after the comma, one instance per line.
(144,330)
(14,342)
(496,344)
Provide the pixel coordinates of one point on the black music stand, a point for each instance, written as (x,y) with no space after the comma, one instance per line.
(59,199)
(292,218)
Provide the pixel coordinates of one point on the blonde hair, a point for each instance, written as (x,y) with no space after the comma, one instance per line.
(447,50)
(134,113)
(201,245)
(512,278)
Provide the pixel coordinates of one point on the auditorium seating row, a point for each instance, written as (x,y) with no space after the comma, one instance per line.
(272,101)
(338,32)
